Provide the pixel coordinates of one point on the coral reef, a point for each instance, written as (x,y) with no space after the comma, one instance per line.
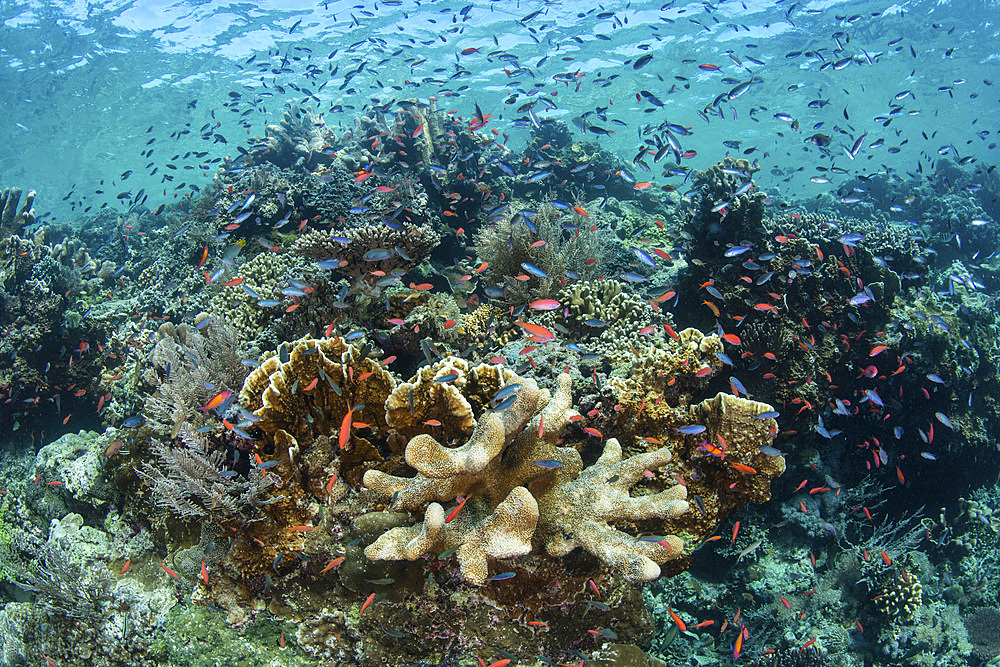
(12,219)
(538,483)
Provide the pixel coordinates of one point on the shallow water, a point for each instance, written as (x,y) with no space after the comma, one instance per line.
(209,453)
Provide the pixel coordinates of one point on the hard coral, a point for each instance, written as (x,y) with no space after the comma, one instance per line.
(11,219)
(512,476)
(372,247)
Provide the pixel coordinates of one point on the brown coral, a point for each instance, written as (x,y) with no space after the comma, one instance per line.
(372,247)
(512,475)
(12,219)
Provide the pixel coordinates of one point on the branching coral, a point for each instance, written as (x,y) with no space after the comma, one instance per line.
(510,240)
(512,476)
(298,140)
(12,219)
(367,248)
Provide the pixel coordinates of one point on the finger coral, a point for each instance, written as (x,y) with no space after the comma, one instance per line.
(511,477)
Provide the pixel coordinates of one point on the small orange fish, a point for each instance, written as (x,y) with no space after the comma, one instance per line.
(169,571)
(332,564)
(233,283)
(877,350)
(712,307)
(732,339)
(743,468)
(311,385)
(126,566)
(580,211)
(329,485)
(593,431)
(538,332)
(422,287)
(482,267)
(204,256)
(537,244)
(432,422)
(204,571)
(300,529)
(678,620)
(454,512)
(366,603)
(216,401)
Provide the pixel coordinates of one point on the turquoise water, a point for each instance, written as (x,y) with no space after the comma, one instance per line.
(90,80)
(567,333)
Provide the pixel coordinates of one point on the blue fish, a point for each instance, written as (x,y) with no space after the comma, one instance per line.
(501,577)
(505,392)
(447,378)
(643,257)
(634,278)
(548,463)
(693,429)
(771,414)
(534,270)
(378,254)
(132,422)
(509,401)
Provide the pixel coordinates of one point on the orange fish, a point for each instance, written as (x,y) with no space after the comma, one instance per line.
(580,211)
(126,566)
(732,339)
(332,564)
(539,333)
(712,307)
(422,287)
(311,385)
(454,512)
(329,485)
(233,283)
(366,603)
(593,431)
(169,571)
(204,571)
(204,256)
(877,350)
(743,468)
(432,422)
(216,401)
(678,620)
(300,529)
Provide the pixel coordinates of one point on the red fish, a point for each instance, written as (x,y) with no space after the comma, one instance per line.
(678,621)
(544,304)
(204,571)
(539,333)
(451,515)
